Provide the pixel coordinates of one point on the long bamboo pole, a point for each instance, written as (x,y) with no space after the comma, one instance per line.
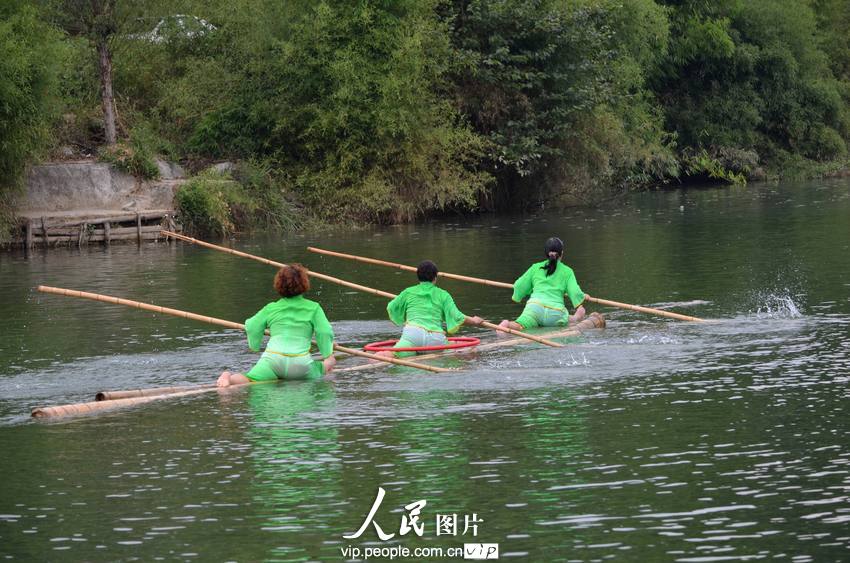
(311,273)
(492,283)
(641,309)
(481,281)
(348,284)
(215,321)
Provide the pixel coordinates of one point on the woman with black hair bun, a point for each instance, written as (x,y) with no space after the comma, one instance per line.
(427,313)
(546,283)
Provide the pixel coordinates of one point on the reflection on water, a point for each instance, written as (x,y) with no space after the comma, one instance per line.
(652,440)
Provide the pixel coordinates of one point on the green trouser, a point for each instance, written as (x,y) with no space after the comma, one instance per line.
(414,336)
(276,365)
(537,314)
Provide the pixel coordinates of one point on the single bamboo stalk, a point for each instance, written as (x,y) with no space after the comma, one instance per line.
(397,361)
(349,284)
(481,281)
(311,273)
(521,334)
(214,321)
(149,392)
(607,302)
(640,309)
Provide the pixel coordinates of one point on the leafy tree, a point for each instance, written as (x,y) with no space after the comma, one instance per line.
(549,84)
(31,57)
(748,75)
(97,21)
(346,99)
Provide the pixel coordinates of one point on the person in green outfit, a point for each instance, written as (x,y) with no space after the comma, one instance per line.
(292,321)
(424,309)
(546,283)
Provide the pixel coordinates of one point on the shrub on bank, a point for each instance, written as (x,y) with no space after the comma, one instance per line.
(131,160)
(247,197)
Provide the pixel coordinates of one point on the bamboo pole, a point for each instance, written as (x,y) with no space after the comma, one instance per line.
(481,281)
(311,273)
(350,284)
(641,309)
(492,283)
(149,392)
(215,321)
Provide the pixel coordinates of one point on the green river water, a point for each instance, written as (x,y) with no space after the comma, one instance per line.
(653,440)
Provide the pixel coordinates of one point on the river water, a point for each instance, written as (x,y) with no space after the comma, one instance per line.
(653,440)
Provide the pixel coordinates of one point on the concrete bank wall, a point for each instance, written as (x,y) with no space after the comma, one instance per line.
(62,188)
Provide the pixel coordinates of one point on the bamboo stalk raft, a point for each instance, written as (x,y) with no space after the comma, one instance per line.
(76,409)
(593,321)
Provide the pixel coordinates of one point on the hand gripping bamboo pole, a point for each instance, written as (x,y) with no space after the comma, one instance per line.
(351,285)
(215,321)
(492,283)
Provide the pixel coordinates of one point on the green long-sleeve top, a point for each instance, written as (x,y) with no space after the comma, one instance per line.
(426,306)
(548,290)
(292,322)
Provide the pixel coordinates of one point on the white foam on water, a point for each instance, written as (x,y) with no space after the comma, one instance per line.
(777,306)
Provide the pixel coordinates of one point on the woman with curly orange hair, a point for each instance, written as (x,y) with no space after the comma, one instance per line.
(292,322)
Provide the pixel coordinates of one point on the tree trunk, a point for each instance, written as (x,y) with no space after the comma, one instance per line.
(107,99)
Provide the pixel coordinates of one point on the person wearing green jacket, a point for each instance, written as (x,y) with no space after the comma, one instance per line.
(425,310)
(545,284)
(292,322)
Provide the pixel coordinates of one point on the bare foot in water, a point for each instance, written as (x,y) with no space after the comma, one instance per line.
(223,379)
(508,324)
(384,354)
(579,315)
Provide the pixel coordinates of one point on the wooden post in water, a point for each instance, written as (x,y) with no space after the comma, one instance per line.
(139,227)
(44,238)
(107,233)
(29,235)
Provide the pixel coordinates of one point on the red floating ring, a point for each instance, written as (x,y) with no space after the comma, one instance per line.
(455,343)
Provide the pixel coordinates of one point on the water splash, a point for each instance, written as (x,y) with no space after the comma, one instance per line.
(777,306)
